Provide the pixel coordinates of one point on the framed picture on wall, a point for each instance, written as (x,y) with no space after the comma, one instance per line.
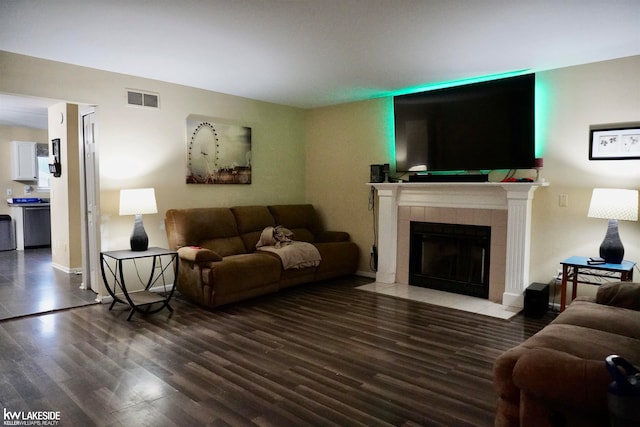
(615,144)
(217,152)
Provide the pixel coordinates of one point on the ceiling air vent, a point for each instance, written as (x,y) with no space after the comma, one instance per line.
(142,99)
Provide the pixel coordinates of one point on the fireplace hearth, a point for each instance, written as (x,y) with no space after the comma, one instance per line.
(450,257)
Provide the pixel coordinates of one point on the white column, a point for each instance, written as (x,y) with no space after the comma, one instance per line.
(387,233)
(519,202)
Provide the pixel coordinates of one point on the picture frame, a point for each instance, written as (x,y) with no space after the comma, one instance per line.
(621,143)
(218,151)
(55,148)
(55,168)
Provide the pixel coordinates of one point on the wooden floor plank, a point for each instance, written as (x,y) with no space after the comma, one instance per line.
(322,354)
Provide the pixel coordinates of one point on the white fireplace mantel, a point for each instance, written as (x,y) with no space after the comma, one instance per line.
(515,197)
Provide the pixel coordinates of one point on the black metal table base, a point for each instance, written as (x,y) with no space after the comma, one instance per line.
(141,300)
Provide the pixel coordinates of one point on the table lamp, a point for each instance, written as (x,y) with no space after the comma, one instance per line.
(613,204)
(137,202)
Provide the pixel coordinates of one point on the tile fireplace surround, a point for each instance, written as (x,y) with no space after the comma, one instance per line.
(505,207)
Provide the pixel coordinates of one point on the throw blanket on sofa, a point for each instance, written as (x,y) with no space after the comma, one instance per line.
(278,240)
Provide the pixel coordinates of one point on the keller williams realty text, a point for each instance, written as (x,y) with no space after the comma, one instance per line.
(30,418)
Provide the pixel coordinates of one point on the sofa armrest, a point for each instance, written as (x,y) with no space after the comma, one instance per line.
(198,255)
(333,236)
(620,294)
(562,379)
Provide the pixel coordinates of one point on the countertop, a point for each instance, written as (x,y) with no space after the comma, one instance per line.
(28,202)
(29,205)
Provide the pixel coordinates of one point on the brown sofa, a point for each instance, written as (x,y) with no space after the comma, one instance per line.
(219,263)
(558,377)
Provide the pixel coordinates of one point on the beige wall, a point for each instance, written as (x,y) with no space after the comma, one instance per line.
(66,217)
(343,140)
(147,148)
(8,134)
(577,97)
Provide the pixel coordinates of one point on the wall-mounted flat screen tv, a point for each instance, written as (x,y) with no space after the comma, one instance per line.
(480,126)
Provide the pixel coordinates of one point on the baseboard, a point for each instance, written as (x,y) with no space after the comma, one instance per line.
(369,274)
(386,277)
(67,270)
(513,300)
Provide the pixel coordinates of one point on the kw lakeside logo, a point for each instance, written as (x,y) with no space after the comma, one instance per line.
(30,418)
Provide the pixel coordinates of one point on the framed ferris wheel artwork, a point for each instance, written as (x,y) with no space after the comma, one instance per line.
(218,152)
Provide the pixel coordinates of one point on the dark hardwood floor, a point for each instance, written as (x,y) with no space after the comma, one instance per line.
(323,354)
(30,285)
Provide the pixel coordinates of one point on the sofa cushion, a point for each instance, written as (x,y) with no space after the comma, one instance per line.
(585,343)
(243,272)
(210,228)
(302,220)
(620,294)
(225,246)
(601,317)
(251,221)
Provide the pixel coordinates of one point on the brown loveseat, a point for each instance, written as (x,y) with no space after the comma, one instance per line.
(219,263)
(558,377)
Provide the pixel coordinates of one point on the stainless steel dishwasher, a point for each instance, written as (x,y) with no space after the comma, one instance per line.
(37,226)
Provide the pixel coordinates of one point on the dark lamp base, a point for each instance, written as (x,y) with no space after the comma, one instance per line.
(139,240)
(611,248)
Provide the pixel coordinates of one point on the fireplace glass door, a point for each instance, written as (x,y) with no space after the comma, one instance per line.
(450,257)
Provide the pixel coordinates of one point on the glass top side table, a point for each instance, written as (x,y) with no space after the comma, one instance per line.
(112,267)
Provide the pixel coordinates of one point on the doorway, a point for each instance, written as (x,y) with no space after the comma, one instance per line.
(23,271)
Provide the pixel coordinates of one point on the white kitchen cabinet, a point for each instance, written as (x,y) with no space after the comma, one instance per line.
(24,161)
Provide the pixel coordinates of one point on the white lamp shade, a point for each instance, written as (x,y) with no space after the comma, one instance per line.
(138,201)
(613,203)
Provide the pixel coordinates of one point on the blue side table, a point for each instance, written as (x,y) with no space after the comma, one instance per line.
(575,265)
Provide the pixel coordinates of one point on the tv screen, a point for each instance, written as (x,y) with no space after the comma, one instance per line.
(479,126)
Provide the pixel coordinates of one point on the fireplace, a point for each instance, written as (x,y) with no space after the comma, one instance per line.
(450,257)
(505,207)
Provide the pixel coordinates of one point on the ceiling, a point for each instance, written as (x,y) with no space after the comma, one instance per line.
(311,53)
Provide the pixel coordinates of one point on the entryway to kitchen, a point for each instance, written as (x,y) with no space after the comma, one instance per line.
(30,285)
(59,272)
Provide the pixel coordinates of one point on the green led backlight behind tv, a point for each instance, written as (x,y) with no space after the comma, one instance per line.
(450,83)
(542,117)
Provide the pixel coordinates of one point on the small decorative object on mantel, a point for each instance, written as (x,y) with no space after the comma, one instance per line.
(621,143)
(538,163)
(613,204)
(217,152)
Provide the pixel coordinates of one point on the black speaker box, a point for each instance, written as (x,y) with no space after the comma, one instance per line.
(378,172)
(536,300)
